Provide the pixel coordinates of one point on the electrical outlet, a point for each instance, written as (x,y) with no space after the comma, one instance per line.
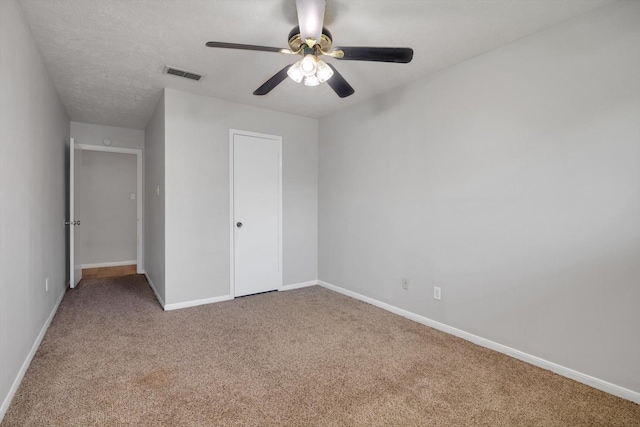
(437,293)
(46,284)
(405,283)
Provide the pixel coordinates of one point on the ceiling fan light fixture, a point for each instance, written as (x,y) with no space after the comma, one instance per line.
(310,71)
(295,72)
(311,80)
(324,72)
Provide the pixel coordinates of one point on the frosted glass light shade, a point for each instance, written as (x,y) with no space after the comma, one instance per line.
(295,72)
(308,65)
(311,81)
(324,72)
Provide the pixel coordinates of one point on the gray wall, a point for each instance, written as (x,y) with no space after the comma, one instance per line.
(33,130)
(510,181)
(108,214)
(93,134)
(197,192)
(154,201)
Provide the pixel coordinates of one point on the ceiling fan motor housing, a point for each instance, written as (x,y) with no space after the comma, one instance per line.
(296,44)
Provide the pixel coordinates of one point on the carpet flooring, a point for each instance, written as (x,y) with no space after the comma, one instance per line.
(307,357)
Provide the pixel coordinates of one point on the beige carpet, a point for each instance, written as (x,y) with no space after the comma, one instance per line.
(303,357)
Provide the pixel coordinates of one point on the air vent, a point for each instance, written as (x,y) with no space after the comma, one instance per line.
(168,69)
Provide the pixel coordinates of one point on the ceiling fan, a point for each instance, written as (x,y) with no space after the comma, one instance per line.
(310,40)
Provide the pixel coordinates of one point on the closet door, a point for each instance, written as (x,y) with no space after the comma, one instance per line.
(256,184)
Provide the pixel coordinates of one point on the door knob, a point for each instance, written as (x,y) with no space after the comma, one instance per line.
(239,225)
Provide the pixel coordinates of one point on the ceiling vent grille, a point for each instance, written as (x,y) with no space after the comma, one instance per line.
(168,69)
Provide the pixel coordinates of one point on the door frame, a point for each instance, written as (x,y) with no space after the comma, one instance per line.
(139,198)
(73,214)
(232,133)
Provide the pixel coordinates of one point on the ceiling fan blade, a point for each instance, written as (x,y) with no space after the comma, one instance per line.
(401,55)
(339,84)
(247,47)
(310,18)
(272,82)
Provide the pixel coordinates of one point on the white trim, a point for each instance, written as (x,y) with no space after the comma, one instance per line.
(109,264)
(232,247)
(280,215)
(232,279)
(155,291)
(139,198)
(72,199)
(605,386)
(298,285)
(89,147)
(280,220)
(197,302)
(28,359)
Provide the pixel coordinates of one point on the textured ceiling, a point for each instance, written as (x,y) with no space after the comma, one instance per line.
(106,57)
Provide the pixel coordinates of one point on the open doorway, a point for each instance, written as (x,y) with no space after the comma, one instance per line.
(109,196)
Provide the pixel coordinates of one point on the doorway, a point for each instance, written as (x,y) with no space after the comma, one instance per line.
(256,212)
(95,224)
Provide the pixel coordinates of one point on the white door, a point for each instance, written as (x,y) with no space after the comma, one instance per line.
(75,163)
(256,213)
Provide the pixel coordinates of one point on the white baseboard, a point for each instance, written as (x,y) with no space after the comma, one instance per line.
(605,386)
(28,359)
(178,305)
(298,285)
(153,288)
(197,302)
(109,264)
